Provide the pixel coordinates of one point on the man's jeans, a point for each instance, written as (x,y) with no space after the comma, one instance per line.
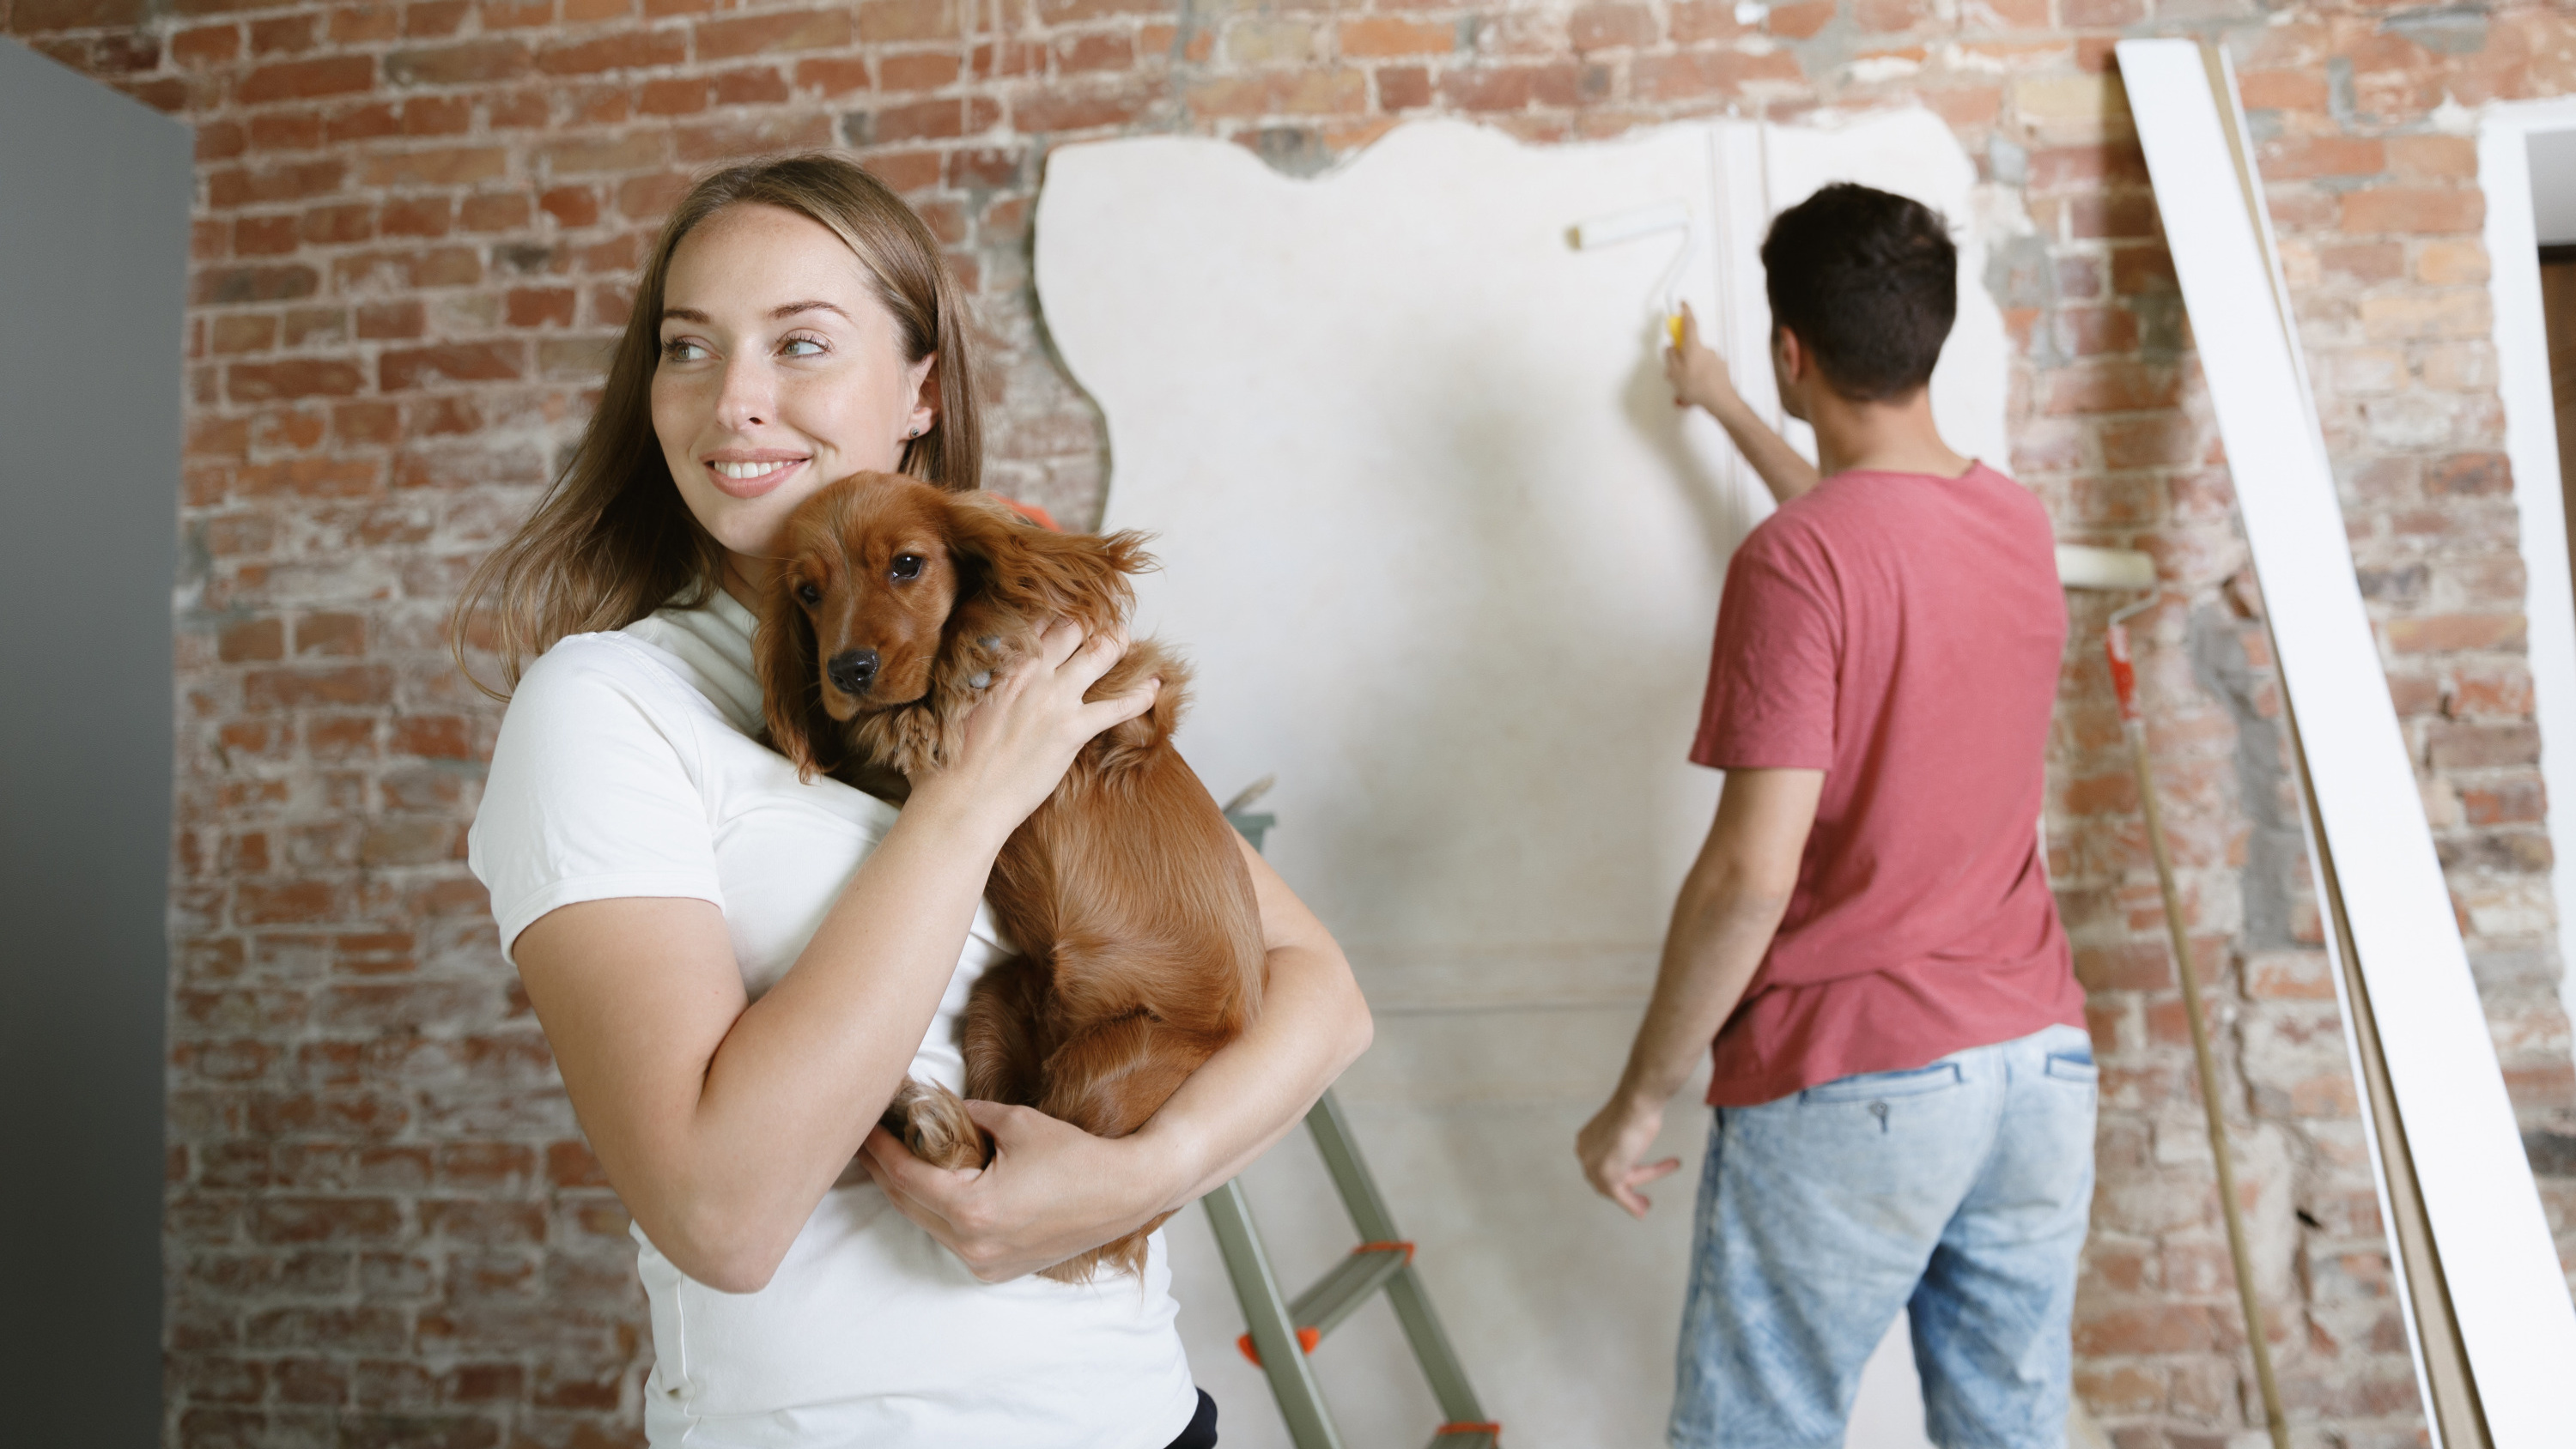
(1959,1190)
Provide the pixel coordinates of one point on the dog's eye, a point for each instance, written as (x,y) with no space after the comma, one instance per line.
(809,593)
(908,566)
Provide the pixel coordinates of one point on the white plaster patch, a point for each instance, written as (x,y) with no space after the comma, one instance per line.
(1447,558)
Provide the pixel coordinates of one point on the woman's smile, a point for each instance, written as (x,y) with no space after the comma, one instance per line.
(751,472)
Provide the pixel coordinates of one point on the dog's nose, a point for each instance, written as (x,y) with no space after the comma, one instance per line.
(851,669)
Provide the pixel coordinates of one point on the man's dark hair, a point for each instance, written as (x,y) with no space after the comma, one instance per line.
(1869,281)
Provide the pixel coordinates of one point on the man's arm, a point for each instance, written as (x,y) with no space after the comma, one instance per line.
(1729,907)
(1699,376)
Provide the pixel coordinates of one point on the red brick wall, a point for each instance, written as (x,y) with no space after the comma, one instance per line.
(415,229)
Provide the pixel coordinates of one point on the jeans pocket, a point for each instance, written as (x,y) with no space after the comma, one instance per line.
(2075,1066)
(1880,1086)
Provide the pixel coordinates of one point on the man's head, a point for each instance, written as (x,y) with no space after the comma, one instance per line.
(1868,282)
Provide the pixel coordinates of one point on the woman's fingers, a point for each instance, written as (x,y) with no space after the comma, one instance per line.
(1116,709)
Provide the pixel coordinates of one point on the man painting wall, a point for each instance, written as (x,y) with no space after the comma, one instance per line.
(1904,1092)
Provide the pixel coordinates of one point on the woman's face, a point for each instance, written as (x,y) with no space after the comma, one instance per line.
(780,372)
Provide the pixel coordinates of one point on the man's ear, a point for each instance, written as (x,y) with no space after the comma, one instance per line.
(1793,370)
(1041,575)
(791,681)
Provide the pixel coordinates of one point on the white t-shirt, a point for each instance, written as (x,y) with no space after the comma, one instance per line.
(626,767)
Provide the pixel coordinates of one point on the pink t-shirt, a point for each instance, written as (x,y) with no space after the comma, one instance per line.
(1902,633)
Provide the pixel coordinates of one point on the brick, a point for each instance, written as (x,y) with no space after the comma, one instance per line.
(205,46)
(243,332)
(300,377)
(416,216)
(771,32)
(883,21)
(2411,210)
(230,188)
(1065,110)
(257,639)
(2451,263)
(1403,88)
(1370,37)
(2113,385)
(400,370)
(1605,26)
(2291,158)
(2470,475)
(1799,20)
(2446,633)
(1278,93)
(2070,101)
(436,166)
(2470,746)
(570,206)
(629,50)
(540,307)
(2398,316)
(471,62)
(296,80)
(633,152)
(1711,74)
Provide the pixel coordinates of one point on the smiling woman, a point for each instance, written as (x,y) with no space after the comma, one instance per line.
(737,968)
(873,303)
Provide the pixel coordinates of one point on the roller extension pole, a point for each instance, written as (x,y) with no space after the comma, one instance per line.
(2124,681)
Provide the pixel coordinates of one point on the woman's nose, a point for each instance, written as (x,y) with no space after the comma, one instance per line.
(746,400)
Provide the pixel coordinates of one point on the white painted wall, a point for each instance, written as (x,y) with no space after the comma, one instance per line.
(2527,167)
(2552,160)
(1447,558)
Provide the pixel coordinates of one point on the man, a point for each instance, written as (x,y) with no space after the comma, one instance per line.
(1904,1090)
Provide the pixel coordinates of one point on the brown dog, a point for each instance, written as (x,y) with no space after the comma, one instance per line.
(1125,894)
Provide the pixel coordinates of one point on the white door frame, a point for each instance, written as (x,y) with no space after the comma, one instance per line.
(2531,445)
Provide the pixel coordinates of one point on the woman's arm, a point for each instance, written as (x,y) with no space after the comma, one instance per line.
(721,1122)
(1053,1190)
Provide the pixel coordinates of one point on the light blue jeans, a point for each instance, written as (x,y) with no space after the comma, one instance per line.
(1959,1190)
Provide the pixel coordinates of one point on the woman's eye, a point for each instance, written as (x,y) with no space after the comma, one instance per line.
(801,347)
(681,349)
(809,593)
(908,566)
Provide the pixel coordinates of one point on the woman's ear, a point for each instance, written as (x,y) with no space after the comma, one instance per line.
(791,681)
(1041,575)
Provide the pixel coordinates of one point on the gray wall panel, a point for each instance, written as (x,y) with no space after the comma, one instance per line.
(94,198)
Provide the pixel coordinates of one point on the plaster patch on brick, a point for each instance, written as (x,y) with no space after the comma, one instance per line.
(2275,851)
(2445,29)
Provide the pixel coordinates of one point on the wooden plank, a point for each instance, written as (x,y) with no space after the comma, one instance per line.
(2482,1271)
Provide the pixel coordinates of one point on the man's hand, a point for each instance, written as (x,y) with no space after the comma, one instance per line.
(1610,1144)
(1698,375)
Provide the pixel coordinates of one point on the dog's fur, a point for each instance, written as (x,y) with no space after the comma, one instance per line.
(1125,893)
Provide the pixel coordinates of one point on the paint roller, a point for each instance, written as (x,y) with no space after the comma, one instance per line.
(1628,226)
(2126,570)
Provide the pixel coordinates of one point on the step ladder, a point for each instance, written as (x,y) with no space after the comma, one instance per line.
(1285,1331)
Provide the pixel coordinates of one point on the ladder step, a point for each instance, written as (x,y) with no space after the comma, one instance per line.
(1320,1309)
(1467,1436)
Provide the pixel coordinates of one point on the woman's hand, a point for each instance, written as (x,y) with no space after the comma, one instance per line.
(1051,1192)
(1698,375)
(1022,735)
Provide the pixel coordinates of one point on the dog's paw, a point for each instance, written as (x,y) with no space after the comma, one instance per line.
(933,1122)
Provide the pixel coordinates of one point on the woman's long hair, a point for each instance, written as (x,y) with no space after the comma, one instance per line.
(612,540)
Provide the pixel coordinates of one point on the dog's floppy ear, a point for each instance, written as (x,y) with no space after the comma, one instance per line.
(1040,575)
(791,681)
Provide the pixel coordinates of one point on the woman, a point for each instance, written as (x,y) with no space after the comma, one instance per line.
(736,970)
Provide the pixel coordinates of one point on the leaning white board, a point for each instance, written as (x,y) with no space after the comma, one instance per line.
(2504,1285)
(1447,559)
